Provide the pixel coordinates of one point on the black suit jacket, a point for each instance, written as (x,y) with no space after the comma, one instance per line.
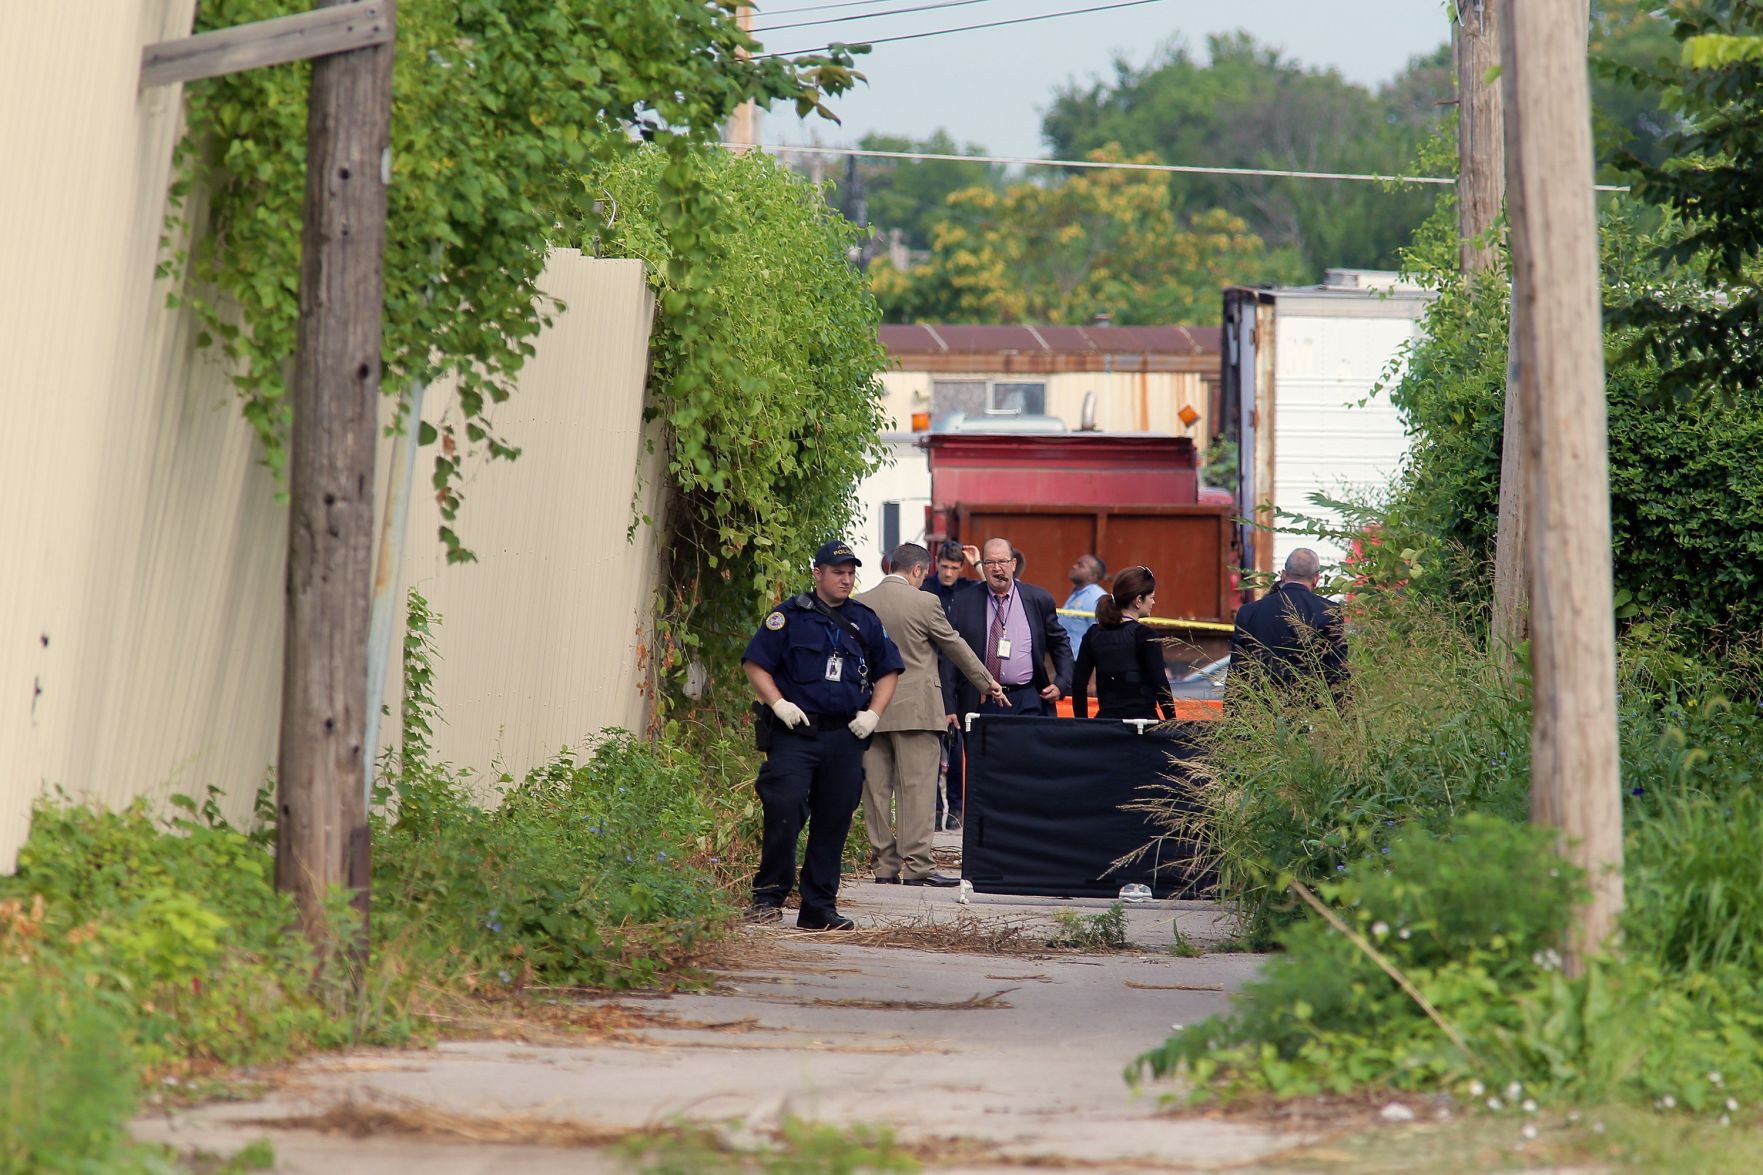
(1294,633)
(968,612)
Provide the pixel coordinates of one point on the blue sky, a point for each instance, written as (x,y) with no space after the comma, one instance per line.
(991,86)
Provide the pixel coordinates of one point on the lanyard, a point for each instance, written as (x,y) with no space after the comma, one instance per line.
(1001,612)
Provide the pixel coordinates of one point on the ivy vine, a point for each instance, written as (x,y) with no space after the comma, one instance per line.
(765,362)
(497,104)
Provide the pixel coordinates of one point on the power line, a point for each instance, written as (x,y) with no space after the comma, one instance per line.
(802,24)
(1102,165)
(821,7)
(991,24)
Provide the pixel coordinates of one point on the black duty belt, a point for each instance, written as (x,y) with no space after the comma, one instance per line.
(831,721)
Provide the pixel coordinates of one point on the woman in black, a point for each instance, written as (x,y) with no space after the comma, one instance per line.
(1126,658)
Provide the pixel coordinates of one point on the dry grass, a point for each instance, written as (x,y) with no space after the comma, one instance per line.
(383,1114)
(971,1003)
(1173,986)
(563,1016)
(966,933)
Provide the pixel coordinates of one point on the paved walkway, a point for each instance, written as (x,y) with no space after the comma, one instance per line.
(991,1062)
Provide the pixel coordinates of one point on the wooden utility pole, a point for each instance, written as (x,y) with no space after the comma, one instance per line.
(321,832)
(1557,309)
(1481,144)
(1511,548)
(743,126)
(1481,190)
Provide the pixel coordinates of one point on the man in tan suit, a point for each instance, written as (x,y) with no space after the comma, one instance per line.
(900,766)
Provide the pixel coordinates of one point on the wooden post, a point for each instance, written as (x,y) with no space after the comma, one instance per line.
(743,125)
(1575,768)
(1511,550)
(321,833)
(1481,190)
(1481,146)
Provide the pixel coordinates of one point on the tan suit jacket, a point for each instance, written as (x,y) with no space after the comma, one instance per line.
(917,624)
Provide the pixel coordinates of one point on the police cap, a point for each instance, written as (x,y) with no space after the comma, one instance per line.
(835,552)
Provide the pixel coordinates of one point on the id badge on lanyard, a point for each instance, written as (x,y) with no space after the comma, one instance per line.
(835,661)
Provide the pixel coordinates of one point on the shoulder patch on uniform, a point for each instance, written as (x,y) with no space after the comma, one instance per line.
(774,621)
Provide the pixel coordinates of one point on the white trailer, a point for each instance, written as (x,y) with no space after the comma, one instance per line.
(1301,373)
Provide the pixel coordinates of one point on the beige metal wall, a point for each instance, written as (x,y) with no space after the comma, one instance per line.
(542,640)
(140,589)
(1125,401)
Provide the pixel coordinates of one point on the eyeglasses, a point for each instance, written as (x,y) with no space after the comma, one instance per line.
(997,562)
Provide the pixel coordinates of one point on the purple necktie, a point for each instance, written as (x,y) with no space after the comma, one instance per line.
(993,666)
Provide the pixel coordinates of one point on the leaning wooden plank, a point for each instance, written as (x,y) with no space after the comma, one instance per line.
(266,42)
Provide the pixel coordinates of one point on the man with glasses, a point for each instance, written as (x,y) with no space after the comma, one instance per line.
(1014,629)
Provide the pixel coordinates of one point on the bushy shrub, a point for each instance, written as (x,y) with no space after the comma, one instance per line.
(67,1079)
(1460,915)
(1686,490)
(606,870)
(180,928)
(1430,731)
(1472,920)
(1369,804)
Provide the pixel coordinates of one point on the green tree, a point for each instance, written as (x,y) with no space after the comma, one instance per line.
(1700,319)
(911,196)
(1248,106)
(1629,36)
(1063,251)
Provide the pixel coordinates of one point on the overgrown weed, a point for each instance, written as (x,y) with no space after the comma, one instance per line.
(1413,830)
(165,948)
(796,1147)
(1090,932)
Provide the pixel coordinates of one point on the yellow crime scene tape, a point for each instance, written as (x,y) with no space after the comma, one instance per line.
(1164,621)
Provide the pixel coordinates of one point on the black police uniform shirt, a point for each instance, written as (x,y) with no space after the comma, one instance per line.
(818,664)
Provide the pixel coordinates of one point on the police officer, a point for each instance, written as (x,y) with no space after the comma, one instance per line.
(824,665)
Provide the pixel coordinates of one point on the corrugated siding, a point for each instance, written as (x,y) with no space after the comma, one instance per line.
(141,588)
(541,640)
(81,202)
(1333,435)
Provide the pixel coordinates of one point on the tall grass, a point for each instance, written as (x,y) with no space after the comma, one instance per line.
(1405,806)
(1301,786)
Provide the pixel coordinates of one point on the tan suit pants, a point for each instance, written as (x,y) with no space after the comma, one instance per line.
(900,773)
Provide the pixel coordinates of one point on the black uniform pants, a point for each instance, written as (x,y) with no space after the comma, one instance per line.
(814,778)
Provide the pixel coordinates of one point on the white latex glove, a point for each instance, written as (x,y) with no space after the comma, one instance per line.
(788,713)
(864,724)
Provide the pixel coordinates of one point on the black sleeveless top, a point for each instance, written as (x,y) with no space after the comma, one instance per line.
(1130,679)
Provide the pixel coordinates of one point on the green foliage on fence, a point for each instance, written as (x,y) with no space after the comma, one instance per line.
(495,107)
(764,375)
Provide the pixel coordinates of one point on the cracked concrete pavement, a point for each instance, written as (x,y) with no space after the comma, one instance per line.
(998,1062)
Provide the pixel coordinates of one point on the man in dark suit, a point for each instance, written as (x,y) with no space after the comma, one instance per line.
(1292,633)
(1014,629)
(948,582)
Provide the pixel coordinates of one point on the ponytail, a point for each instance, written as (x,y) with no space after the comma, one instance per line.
(1129,585)
(1107,612)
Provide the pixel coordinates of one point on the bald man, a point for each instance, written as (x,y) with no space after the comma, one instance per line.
(1013,627)
(1292,632)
